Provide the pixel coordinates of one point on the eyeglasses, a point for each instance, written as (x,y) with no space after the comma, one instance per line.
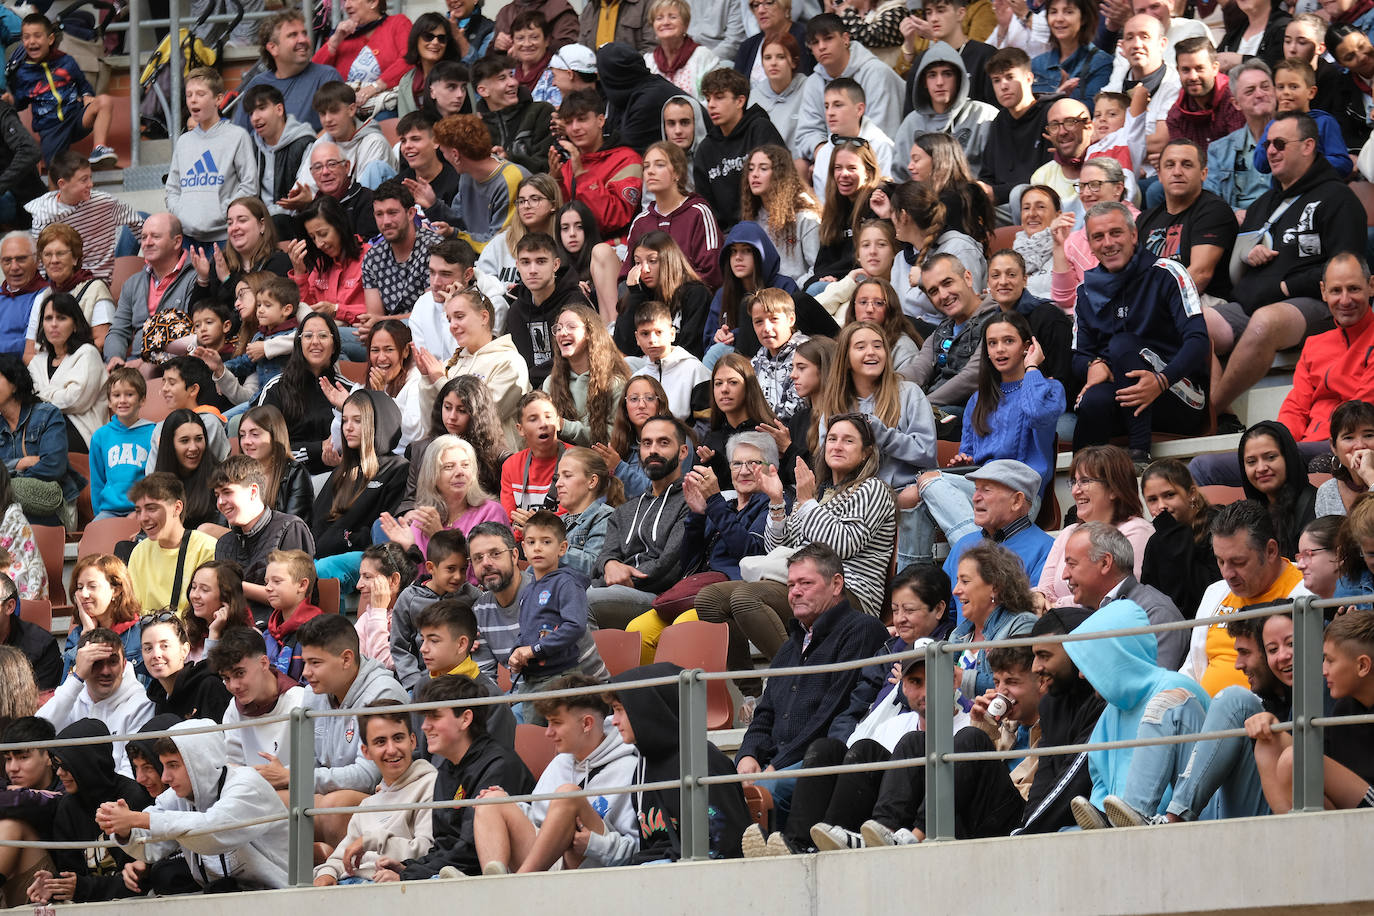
(568,328)
(1084,481)
(477,558)
(1093,186)
(330,164)
(1069,123)
(642,399)
(1309,554)
(435,38)
(757,5)
(530,201)
(752,464)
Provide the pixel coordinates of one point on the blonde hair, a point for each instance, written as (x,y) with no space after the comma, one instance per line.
(773,301)
(358,466)
(682,8)
(839,394)
(298,563)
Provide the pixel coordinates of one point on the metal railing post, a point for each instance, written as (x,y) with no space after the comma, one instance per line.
(133,44)
(694,827)
(179,62)
(939,726)
(300,868)
(308,11)
(1308,701)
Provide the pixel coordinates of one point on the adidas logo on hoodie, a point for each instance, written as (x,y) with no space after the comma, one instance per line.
(203,174)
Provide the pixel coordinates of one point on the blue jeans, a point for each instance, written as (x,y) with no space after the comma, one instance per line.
(1223,769)
(946,503)
(782,790)
(1157,768)
(352,345)
(341,566)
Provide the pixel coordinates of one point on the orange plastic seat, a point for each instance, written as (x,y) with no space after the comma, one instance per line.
(699,644)
(619,649)
(102,536)
(535,748)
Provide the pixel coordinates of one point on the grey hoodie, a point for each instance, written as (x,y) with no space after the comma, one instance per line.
(882,86)
(646,533)
(267,175)
(700,122)
(782,107)
(966,120)
(210,169)
(613,763)
(339,762)
(368,145)
(221,795)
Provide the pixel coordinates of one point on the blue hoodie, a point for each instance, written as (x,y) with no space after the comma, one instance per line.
(553,617)
(1123,671)
(812,318)
(119,457)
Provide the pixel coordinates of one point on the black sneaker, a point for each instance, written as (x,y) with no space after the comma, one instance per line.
(1229,423)
(1141,459)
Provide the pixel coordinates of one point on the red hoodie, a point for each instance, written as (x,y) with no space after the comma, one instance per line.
(610,183)
(1336,366)
(1203,125)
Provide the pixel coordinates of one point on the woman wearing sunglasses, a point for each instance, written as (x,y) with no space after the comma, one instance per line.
(430,41)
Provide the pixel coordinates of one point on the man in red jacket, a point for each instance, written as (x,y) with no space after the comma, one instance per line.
(609,181)
(1336,366)
(1205,110)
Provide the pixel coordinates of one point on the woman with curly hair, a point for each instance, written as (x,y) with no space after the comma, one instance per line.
(995,602)
(588,376)
(463,408)
(774,196)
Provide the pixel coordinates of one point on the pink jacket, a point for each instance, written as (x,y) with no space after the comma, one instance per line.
(341,285)
(489,511)
(374,634)
(387,41)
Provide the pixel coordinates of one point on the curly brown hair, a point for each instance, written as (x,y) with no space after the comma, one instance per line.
(466,133)
(785,197)
(606,368)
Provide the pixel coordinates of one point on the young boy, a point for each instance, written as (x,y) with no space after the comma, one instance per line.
(545,291)
(775,320)
(677,370)
(446,562)
(280,143)
(448,89)
(27,806)
(470,763)
(389,742)
(257,530)
(188,385)
(553,610)
(845,104)
(278,304)
(162,563)
(1295,86)
(259,691)
(527,476)
(532,837)
(1120,126)
(213,163)
(99,218)
(288,582)
(609,180)
(448,631)
(736,129)
(202,797)
(121,448)
(365,146)
(65,106)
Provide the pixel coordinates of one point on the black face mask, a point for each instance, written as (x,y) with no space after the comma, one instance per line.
(660,468)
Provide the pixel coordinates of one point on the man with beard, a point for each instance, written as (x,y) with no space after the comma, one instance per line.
(642,555)
(492,560)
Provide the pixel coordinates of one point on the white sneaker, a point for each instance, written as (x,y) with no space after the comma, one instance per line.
(1088,817)
(448,871)
(875,834)
(495,868)
(829,838)
(753,843)
(1122,814)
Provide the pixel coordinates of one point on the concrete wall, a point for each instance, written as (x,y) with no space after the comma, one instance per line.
(1316,863)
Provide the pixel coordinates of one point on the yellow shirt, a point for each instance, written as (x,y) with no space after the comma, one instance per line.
(468,669)
(607,16)
(153,570)
(1221,647)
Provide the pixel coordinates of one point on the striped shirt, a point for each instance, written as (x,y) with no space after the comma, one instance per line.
(859,524)
(96,220)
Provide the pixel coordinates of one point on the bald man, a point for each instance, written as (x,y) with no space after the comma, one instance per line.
(1069,127)
(167,270)
(333,173)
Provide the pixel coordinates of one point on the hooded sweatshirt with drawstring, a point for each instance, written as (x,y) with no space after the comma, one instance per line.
(93,767)
(202,826)
(613,763)
(339,760)
(278,163)
(646,533)
(653,715)
(1123,671)
(969,122)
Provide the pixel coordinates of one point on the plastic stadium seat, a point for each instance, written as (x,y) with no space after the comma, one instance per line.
(1219,495)
(619,649)
(353,371)
(155,407)
(1003,237)
(52,541)
(327,591)
(102,536)
(699,644)
(37,611)
(125,267)
(535,748)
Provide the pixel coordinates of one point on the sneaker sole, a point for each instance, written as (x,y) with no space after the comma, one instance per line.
(827,843)
(495,868)
(753,844)
(1086,816)
(1119,814)
(873,839)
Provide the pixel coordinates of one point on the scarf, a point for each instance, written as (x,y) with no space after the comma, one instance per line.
(1076,162)
(529,78)
(669,68)
(1354,13)
(82,275)
(281,629)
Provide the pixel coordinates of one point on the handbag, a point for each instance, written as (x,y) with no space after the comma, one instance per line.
(160,330)
(890,708)
(681,598)
(770,567)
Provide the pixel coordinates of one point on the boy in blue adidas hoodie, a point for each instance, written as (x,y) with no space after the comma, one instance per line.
(553,610)
(213,164)
(120,448)
(65,106)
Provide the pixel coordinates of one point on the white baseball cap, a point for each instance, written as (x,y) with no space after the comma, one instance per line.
(575,57)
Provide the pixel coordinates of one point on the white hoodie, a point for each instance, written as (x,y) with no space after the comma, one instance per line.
(123,711)
(678,372)
(398,835)
(222,796)
(245,746)
(613,763)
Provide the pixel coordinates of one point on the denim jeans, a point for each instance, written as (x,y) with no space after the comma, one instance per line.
(1222,770)
(342,566)
(1155,769)
(946,504)
(351,345)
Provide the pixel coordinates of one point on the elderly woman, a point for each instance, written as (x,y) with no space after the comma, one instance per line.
(678,58)
(60,251)
(720,532)
(844,504)
(995,603)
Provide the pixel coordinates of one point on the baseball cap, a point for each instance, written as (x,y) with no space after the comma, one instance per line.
(919,644)
(575,57)
(1010,473)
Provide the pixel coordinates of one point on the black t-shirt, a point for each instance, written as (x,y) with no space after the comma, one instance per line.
(1209,221)
(1352,746)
